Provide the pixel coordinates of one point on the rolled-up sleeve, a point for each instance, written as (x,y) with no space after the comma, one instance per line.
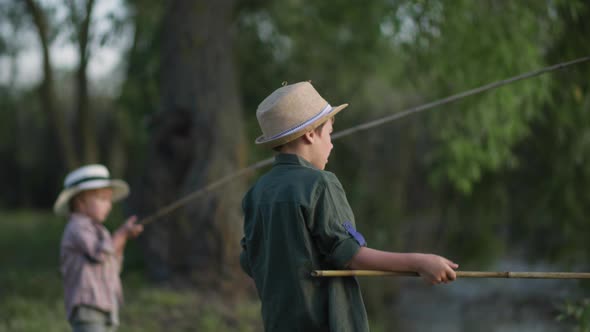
(329,215)
(91,242)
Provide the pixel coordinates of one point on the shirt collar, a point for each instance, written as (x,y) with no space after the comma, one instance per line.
(292,159)
(79,217)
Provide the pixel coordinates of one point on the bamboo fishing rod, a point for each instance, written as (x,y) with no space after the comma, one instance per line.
(460,274)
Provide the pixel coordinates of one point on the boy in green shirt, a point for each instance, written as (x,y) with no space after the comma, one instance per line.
(297,219)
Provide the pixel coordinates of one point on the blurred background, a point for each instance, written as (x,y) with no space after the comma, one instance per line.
(165,93)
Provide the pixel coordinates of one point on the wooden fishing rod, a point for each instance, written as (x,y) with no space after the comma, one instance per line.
(460,274)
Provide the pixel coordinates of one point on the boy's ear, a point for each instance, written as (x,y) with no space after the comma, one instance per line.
(309,136)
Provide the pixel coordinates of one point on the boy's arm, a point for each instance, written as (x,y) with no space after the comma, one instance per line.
(432,268)
(128,230)
(89,241)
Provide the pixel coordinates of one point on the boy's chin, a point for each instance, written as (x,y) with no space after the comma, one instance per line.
(100,220)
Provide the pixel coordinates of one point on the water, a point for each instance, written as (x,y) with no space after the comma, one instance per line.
(486,305)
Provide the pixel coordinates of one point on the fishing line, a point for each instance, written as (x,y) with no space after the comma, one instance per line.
(361,127)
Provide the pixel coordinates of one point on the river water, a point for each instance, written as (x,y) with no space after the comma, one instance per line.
(486,305)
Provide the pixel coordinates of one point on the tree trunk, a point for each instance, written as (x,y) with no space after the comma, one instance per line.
(56,118)
(196,138)
(86,121)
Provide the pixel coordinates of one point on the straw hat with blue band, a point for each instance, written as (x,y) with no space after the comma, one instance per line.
(291,111)
(87,178)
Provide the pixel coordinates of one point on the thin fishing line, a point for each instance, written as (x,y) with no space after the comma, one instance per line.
(364,126)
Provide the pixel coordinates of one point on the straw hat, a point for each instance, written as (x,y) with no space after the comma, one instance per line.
(291,111)
(87,178)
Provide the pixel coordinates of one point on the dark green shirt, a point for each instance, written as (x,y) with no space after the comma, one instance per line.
(294,222)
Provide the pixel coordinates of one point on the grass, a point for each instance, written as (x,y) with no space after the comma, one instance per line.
(31,297)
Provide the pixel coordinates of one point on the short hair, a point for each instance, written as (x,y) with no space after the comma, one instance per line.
(278,148)
(72,202)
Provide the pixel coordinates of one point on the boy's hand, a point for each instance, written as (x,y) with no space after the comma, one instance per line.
(436,269)
(131,229)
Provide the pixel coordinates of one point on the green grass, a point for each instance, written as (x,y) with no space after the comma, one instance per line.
(31,297)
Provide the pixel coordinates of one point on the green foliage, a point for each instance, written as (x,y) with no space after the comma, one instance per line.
(139,97)
(551,183)
(578,312)
(464,46)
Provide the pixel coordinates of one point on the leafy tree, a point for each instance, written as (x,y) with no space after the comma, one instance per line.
(550,185)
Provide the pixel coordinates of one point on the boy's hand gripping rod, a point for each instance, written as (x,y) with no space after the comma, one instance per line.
(460,274)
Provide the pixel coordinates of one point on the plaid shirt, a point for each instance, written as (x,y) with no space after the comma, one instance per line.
(89,267)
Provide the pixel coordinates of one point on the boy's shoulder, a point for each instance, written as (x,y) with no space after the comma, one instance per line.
(303,180)
(304,175)
(78,221)
(321,177)
(329,177)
